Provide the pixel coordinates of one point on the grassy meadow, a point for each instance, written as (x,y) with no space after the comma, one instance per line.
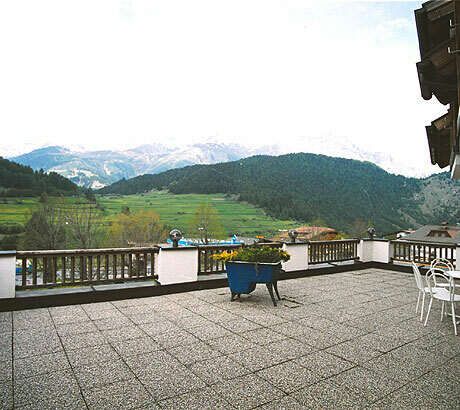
(174,210)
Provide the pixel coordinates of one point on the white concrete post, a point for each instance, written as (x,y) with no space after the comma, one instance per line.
(457,254)
(381,251)
(177,265)
(299,256)
(374,250)
(365,250)
(7,274)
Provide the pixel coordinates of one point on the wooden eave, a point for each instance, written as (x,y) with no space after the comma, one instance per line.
(437,69)
(438,30)
(437,9)
(439,140)
(443,122)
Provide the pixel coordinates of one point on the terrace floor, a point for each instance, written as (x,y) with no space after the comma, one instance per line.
(336,341)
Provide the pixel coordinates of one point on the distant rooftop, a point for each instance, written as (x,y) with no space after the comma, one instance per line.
(449,234)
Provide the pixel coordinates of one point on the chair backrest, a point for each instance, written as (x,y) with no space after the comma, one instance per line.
(437,277)
(441,263)
(418,277)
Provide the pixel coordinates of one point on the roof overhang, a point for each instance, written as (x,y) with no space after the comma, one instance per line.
(438,30)
(437,68)
(439,140)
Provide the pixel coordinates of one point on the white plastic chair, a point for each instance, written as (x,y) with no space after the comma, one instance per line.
(445,265)
(446,293)
(441,263)
(422,289)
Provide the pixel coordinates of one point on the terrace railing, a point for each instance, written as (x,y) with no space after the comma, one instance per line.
(421,252)
(332,251)
(318,252)
(271,244)
(206,263)
(85,266)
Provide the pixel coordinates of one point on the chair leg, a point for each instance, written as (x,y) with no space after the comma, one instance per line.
(454,319)
(442,310)
(418,301)
(429,310)
(275,286)
(423,306)
(270,290)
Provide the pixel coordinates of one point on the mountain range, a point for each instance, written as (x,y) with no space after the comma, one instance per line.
(341,193)
(96,169)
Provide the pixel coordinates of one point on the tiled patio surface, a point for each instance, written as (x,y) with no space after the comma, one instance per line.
(336,341)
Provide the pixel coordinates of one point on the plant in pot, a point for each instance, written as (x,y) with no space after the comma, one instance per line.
(251,265)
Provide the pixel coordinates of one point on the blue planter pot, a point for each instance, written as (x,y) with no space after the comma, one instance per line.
(243,277)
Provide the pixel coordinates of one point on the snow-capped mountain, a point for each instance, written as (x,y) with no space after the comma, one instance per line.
(96,169)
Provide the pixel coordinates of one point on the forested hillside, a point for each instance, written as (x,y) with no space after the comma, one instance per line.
(308,187)
(19,180)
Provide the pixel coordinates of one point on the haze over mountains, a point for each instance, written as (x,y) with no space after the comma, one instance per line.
(96,169)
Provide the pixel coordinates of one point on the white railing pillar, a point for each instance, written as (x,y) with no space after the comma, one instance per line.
(177,265)
(382,251)
(298,252)
(374,250)
(7,274)
(457,256)
(365,250)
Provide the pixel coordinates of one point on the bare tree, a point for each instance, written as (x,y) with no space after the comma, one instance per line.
(45,228)
(84,225)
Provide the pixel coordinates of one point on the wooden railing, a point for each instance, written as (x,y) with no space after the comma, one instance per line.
(206,263)
(332,251)
(421,252)
(271,244)
(86,266)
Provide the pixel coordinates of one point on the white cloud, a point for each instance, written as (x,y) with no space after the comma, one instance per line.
(116,74)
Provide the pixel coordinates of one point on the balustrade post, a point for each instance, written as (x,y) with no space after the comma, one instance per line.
(374,250)
(7,274)
(457,257)
(177,265)
(381,251)
(365,250)
(298,252)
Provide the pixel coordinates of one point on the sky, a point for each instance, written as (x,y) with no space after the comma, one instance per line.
(115,74)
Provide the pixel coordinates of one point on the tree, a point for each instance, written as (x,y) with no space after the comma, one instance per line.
(89,195)
(206,224)
(84,225)
(45,228)
(43,198)
(137,228)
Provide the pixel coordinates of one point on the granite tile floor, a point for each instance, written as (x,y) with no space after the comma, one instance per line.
(345,340)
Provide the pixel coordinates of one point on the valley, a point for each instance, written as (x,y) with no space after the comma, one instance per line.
(175,211)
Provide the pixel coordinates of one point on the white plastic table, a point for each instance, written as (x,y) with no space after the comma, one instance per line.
(454,274)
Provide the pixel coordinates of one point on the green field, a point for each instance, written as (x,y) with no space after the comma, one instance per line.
(174,210)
